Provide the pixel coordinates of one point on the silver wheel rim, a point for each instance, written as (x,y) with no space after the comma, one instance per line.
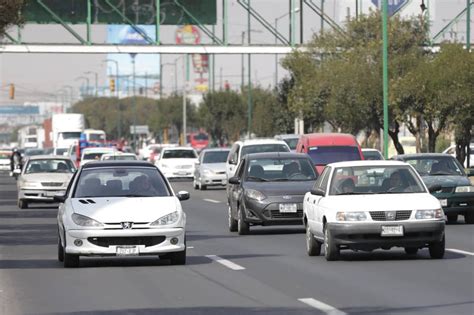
(308,238)
(326,241)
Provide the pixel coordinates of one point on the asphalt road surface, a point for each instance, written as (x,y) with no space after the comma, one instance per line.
(266,272)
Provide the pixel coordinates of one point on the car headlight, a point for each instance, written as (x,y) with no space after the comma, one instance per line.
(168,219)
(255,194)
(207,172)
(351,216)
(464,189)
(82,220)
(429,214)
(31,184)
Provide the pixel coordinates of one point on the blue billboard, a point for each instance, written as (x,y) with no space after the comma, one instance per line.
(393,5)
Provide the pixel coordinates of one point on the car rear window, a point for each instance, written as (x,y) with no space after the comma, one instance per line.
(215,157)
(179,154)
(323,155)
(261,148)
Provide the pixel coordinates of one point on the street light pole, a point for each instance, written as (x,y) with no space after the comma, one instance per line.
(468,26)
(87,83)
(185,86)
(117,90)
(134,101)
(96,75)
(385,76)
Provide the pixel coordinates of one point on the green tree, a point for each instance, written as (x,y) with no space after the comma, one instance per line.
(10,14)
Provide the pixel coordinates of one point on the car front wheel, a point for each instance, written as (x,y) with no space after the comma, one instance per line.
(437,249)
(331,252)
(232,221)
(452,218)
(60,250)
(22,204)
(469,217)
(313,247)
(178,258)
(70,261)
(242,226)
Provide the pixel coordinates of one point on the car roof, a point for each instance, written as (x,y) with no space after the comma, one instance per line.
(287,136)
(178,148)
(270,155)
(99,149)
(261,141)
(119,153)
(48,157)
(418,155)
(215,150)
(369,150)
(117,163)
(368,163)
(330,139)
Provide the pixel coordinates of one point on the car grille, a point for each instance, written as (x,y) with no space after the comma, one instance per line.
(117,241)
(184,167)
(381,215)
(276,214)
(51,184)
(446,190)
(220,173)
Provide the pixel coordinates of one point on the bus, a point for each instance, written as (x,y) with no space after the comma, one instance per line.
(198,140)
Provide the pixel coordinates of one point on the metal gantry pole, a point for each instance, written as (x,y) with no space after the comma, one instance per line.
(242,80)
(134,101)
(322,19)
(249,123)
(89,21)
(276,55)
(385,75)
(185,86)
(468,25)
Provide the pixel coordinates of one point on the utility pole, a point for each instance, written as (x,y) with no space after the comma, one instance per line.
(117,91)
(134,102)
(468,25)
(385,76)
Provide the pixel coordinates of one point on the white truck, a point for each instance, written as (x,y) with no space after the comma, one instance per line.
(31,137)
(66,129)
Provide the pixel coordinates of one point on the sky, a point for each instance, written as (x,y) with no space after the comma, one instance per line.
(43,77)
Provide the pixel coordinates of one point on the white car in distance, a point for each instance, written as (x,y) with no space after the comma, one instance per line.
(366,205)
(121,208)
(95,153)
(177,162)
(119,156)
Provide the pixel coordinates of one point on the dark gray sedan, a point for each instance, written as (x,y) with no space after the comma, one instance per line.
(268,189)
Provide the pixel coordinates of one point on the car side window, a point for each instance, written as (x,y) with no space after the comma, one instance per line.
(240,169)
(323,184)
(231,154)
(71,181)
(236,154)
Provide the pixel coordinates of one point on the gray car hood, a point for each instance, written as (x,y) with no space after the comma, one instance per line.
(446,180)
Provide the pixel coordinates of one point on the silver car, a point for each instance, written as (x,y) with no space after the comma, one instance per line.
(42,177)
(210,170)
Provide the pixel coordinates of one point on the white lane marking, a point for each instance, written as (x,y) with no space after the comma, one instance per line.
(225,262)
(460,251)
(189,247)
(327,309)
(212,200)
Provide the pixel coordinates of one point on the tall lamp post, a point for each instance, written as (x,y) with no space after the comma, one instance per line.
(96,81)
(87,83)
(71,89)
(296,10)
(117,90)
(134,104)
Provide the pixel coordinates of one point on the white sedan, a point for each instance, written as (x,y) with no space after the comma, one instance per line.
(177,162)
(365,205)
(121,208)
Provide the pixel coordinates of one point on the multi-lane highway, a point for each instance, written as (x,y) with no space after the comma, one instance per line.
(266,272)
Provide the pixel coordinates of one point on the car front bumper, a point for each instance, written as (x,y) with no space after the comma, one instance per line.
(214,180)
(178,173)
(105,242)
(268,212)
(367,236)
(459,203)
(41,195)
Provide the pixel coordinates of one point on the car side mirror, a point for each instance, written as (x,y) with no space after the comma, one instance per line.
(60,197)
(234,180)
(434,188)
(318,192)
(183,195)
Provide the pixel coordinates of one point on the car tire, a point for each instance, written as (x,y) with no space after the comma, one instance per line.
(313,247)
(452,218)
(437,249)
(60,250)
(232,221)
(177,258)
(331,252)
(70,260)
(195,185)
(201,186)
(411,250)
(22,204)
(243,227)
(469,217)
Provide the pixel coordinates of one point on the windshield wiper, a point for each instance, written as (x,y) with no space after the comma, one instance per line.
(353,193)
(280,180)
(134,195)
(257,178)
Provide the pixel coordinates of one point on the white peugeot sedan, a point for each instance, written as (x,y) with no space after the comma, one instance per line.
(177,162)
(365,205)
(121,208)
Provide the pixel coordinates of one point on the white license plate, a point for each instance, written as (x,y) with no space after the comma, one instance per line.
(50,193)
(288,208)
(182,173)
(396,230)
(444,202)
(127,251)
